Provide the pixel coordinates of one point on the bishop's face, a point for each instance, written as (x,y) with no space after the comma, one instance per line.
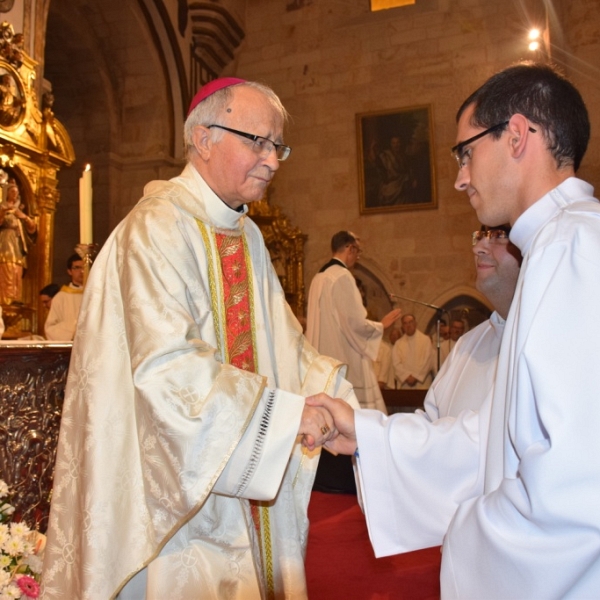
(232,165)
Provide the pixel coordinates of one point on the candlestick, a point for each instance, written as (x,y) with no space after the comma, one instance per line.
(85,206)
(88,253)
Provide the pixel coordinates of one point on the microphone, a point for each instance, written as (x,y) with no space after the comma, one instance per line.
(438,308)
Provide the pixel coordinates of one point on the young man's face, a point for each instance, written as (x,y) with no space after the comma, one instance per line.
(76,272)
(486,176)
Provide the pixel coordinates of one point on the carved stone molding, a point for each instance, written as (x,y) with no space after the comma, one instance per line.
(216,34)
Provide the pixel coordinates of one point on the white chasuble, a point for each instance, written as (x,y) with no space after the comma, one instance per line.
(164,441)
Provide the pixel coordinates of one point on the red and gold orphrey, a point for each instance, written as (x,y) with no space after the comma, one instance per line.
(238,331)
(238,324)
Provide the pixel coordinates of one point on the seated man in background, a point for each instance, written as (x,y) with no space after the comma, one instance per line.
(412,357)
(456,329)
(435,456)
(47,293)
(64,310)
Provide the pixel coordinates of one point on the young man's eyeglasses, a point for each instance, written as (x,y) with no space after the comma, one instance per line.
(463,155)
(262,145)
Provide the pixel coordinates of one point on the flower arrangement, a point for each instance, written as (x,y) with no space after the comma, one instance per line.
(20,554)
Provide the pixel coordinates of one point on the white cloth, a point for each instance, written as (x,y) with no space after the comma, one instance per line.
(535,531)
(413,355)
(337,326)
(433,458)
(161,441)
(384,370)
(61,322)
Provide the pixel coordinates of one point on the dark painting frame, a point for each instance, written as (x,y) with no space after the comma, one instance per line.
(396,165)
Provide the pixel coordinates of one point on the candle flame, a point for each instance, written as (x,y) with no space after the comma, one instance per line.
(88,167)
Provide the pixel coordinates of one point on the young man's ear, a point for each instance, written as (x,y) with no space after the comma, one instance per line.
(518,130)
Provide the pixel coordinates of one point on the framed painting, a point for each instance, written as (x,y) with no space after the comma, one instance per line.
(395,160)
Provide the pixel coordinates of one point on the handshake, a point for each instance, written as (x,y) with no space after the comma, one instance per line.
(328,422)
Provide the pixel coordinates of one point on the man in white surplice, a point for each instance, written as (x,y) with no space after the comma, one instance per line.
(412,357)
(533,532)
(435,456)
(180,470)
(337,324)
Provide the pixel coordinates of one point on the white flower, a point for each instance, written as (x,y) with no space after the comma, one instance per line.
(13,546)
(4,576)
(19,529)
(5,560)
(11,592)
(3,489)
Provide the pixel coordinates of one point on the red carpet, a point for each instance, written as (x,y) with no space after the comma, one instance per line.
(340,563)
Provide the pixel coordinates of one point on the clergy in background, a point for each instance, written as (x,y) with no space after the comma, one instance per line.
(337,323)
(413,357)
(61,322)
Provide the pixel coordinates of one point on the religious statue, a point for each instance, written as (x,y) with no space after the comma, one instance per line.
(17,232)
(10,102)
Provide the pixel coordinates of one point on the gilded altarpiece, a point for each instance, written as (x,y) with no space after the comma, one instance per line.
(34,146)
(286,247)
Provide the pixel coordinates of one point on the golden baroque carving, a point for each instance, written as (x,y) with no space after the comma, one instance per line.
(286,248)
(34,146)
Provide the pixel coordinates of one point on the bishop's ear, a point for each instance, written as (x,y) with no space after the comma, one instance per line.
(202,141)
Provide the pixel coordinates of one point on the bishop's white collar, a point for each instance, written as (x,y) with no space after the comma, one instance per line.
(219,214)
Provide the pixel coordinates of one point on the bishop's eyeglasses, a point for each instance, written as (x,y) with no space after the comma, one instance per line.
(261,145)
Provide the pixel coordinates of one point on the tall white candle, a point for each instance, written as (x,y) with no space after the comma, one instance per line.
(85,206)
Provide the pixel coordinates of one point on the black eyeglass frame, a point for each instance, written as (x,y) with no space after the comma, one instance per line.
(281,150)
(457,151)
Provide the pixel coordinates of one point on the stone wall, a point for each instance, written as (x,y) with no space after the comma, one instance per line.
(330,60)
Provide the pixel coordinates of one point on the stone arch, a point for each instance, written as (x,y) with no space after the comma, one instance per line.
(464,303)
(376,287)
(119,86)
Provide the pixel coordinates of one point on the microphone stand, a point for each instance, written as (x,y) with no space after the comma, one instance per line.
(439,312)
